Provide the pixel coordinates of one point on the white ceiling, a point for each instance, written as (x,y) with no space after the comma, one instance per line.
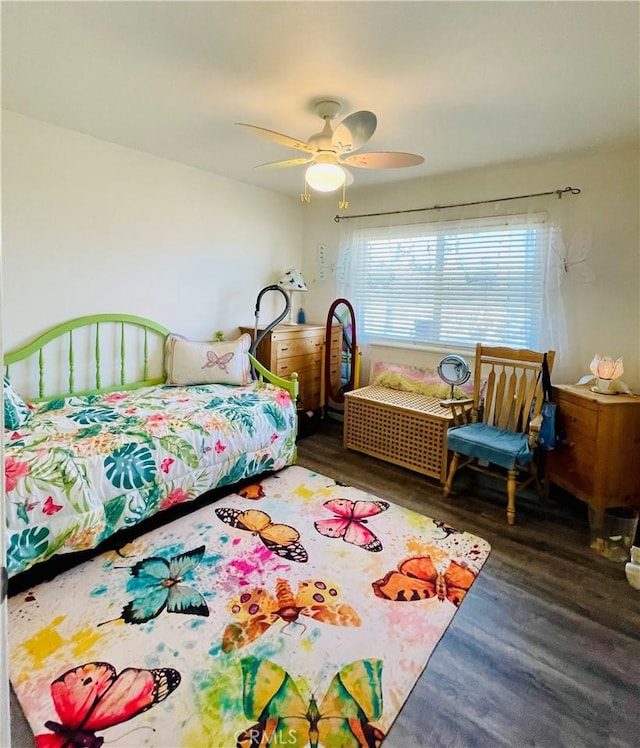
(462,83)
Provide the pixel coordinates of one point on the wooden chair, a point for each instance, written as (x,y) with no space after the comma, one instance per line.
(497,435)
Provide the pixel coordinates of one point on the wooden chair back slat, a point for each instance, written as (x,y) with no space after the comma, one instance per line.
(507,383)
(499,411)
(485,399)
(520,398)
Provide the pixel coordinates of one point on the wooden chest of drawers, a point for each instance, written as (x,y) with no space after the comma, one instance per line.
(300,348)
(598,461)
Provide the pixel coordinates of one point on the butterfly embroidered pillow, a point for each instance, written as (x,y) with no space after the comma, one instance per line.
(202,362)
(16,411)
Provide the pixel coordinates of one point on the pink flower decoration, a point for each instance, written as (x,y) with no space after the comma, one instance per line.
(177,496)
(158,418)
(282,398)
(220,447)
(13,471)
(115,397)
(274,437)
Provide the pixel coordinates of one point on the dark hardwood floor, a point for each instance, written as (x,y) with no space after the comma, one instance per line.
(545,649)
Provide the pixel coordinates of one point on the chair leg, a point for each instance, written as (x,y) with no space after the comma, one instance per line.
(511,492)
(452,471)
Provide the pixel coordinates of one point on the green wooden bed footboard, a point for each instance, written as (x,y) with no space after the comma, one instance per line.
(100,353)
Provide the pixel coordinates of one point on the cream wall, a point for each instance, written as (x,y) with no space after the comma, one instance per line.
(92,227)
(602,317)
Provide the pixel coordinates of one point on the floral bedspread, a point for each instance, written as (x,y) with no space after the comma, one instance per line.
(85,467)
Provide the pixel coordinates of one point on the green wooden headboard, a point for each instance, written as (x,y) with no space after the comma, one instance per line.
(99,353)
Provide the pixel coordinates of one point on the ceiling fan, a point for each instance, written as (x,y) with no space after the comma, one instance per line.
(330,151)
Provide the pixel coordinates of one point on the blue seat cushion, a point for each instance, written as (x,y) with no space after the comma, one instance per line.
(498,446)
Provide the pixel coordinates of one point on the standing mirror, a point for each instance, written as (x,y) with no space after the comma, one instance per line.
(454,371)
(341,359)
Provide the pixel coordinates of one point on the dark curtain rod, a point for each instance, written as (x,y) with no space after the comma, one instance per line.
(559,193)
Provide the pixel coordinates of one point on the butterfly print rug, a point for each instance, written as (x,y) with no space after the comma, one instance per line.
(297,612)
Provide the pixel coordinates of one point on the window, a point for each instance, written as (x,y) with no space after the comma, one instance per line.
(451,283)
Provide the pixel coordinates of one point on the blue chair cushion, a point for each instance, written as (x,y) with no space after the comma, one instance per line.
(498,446)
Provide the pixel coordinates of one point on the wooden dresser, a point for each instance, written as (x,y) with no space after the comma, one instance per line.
(598,459)
(300,348)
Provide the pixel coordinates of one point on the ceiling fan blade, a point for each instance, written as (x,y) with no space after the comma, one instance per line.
(354,131)
(280,164)
(277,137)
(382,160)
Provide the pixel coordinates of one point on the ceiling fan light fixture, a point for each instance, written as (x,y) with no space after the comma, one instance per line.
(325,177)
(329,151)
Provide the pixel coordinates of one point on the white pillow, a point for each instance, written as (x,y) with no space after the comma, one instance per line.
(195,362)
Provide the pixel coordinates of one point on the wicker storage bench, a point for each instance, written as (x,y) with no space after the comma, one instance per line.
(405,428)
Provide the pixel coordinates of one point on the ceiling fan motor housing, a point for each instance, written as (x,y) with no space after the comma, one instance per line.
(327,109)
(322,140)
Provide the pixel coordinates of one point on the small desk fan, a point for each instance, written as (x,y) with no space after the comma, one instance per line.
(454,371)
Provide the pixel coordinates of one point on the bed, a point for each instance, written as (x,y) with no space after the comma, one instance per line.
(110,419)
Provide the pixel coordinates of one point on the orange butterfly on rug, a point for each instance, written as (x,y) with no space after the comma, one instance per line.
(418,579)
(254,491)
(256,610)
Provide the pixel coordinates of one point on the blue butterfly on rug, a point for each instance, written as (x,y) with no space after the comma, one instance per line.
(156,585)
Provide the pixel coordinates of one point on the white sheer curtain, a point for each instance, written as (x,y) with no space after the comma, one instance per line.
(553,332)
(402,277)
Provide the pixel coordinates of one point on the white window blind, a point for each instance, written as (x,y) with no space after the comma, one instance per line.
(454,283)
